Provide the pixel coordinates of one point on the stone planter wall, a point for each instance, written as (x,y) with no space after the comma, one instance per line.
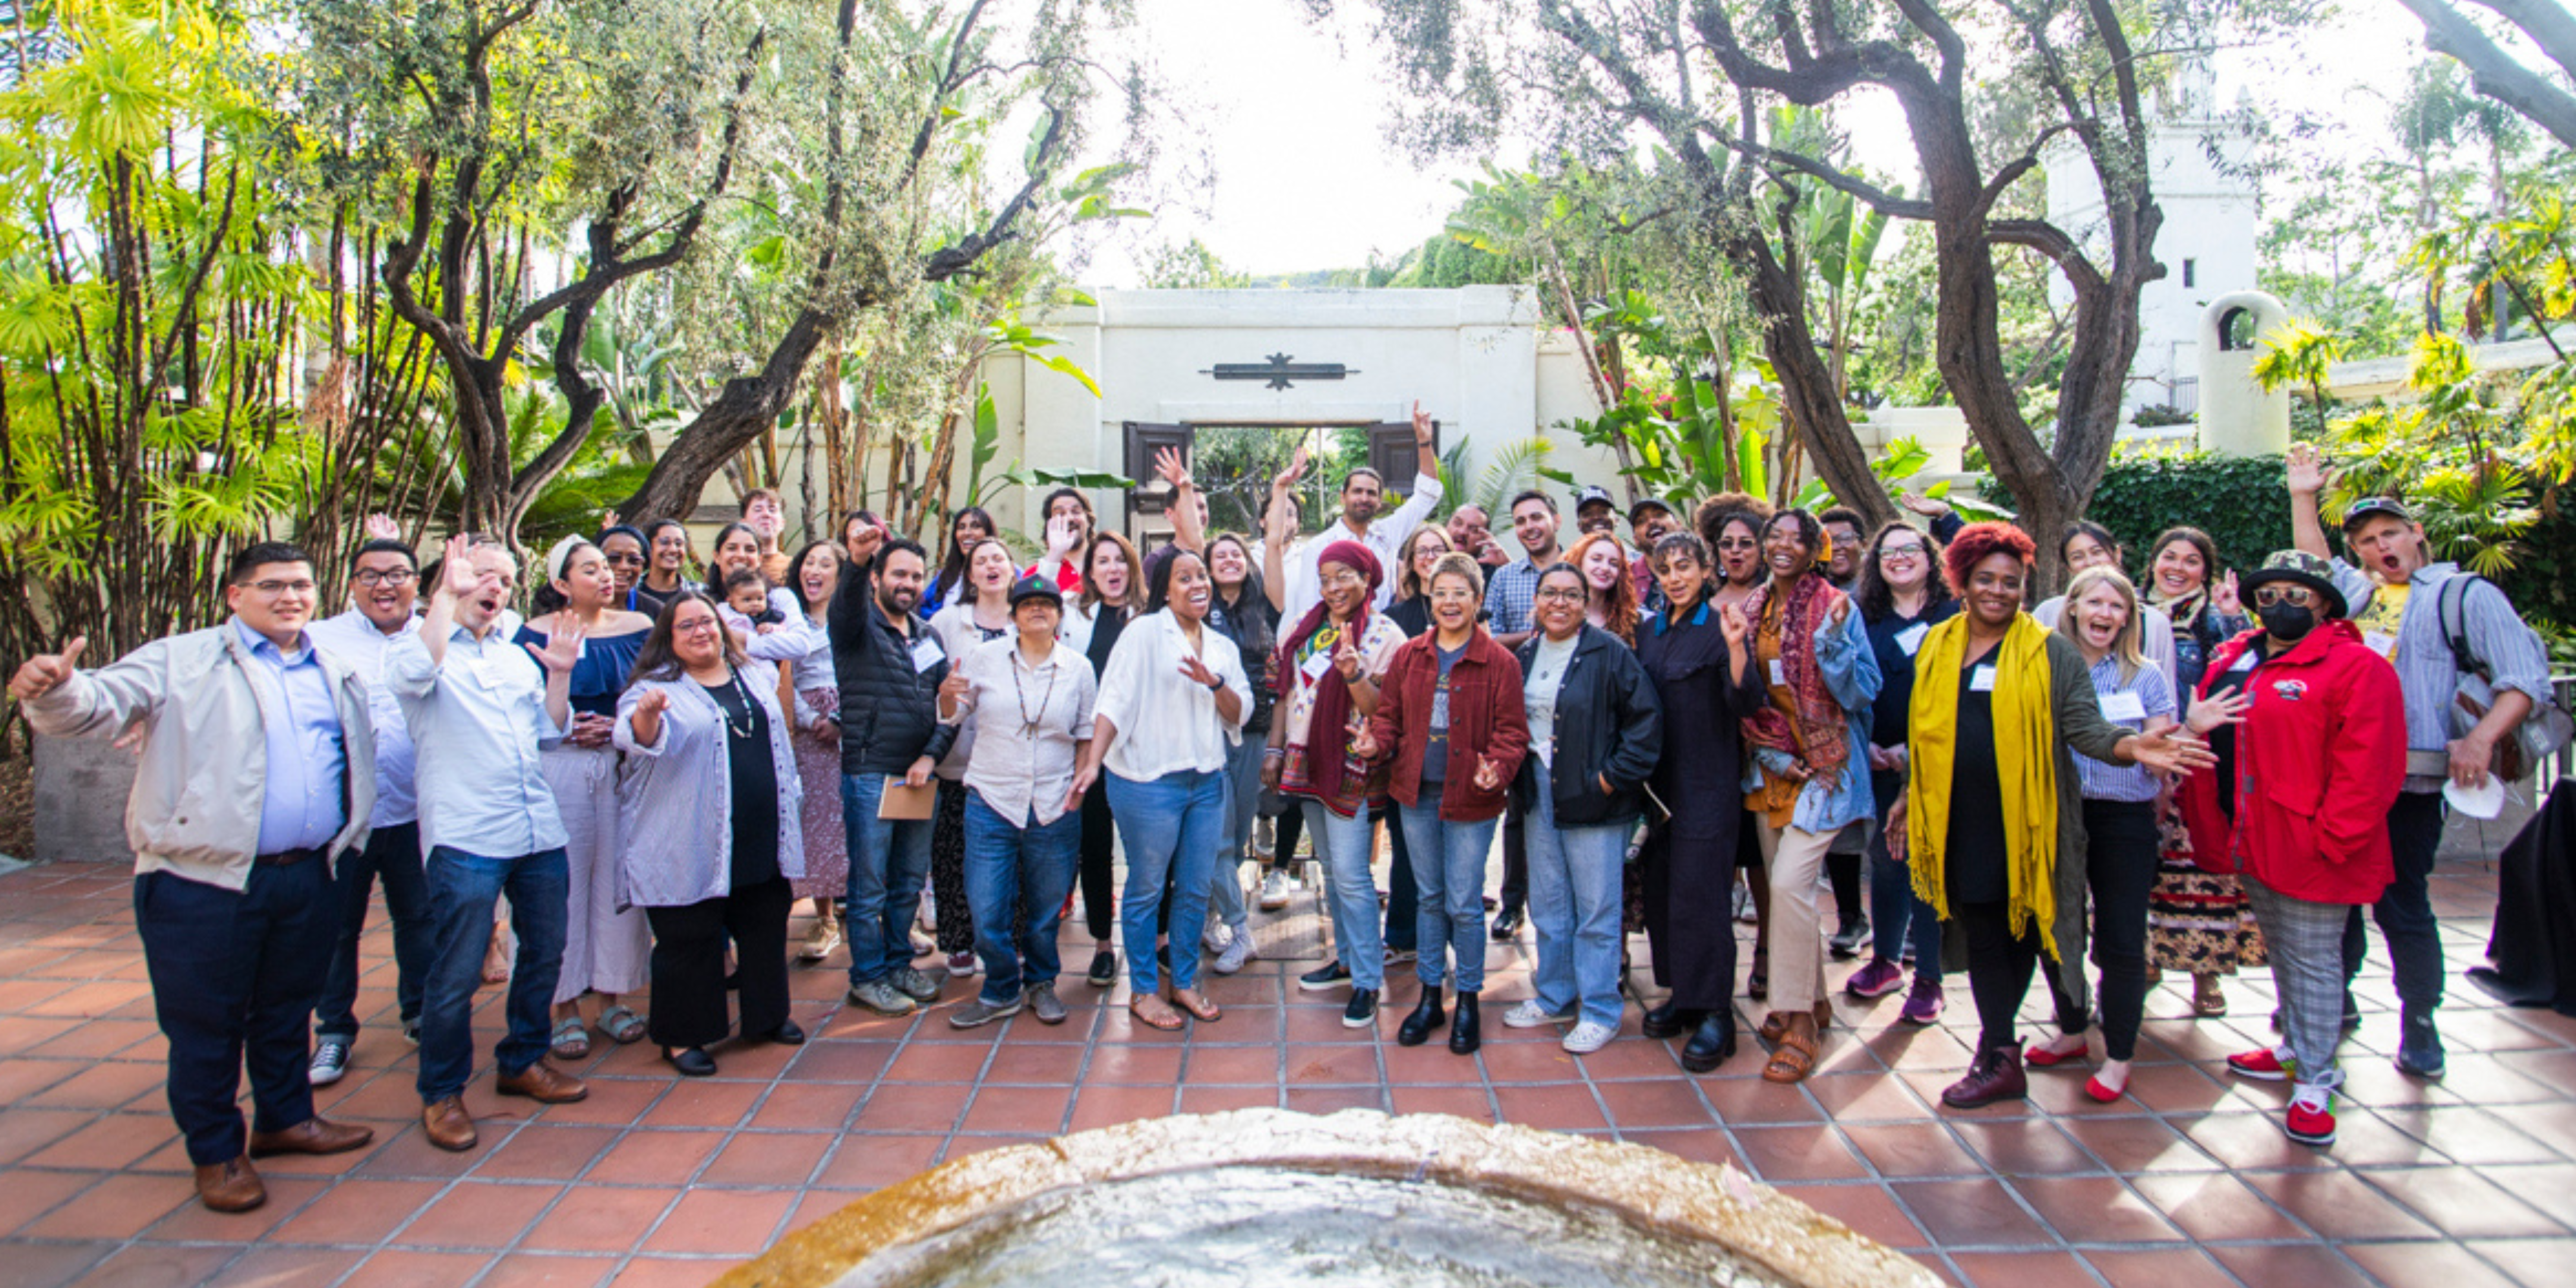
(81,785)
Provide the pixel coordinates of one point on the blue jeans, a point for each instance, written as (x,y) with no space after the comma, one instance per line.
(1010,866)
(1343,844)
(1169,826)
(1896,914)
(1451,882)
(233,980)
(1234,840)
(889,859)
(392,854)
(462,888)
(1574,904)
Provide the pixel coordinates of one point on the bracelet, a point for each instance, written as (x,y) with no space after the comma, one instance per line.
(1268,753)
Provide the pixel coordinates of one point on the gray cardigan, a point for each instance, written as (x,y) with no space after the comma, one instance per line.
(2080,727)
(675,798)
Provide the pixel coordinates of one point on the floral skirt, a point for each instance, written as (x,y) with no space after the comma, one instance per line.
(827,844)
(2197,922)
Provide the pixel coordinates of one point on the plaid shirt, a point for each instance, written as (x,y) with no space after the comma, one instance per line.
(1509,595)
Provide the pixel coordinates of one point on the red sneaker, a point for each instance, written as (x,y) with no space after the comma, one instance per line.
(2311,1117)
(2270,1064)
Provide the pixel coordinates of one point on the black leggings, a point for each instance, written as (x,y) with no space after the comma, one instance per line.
(1999,967)
(2120,868)
(1843,871)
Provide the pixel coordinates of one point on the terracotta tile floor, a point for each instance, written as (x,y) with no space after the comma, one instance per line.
(2189,1182)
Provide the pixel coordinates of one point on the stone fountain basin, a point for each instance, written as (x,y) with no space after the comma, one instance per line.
(1258,1197)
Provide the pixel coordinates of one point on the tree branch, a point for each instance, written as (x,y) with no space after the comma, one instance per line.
(1877,198)
(2494,73)
(2549,24)
(2050,240)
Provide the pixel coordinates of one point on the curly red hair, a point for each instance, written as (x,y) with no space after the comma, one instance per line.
(1977,541)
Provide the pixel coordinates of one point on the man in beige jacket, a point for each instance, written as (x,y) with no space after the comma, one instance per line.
(242,804)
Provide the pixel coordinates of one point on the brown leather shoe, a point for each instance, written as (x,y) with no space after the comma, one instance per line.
(230,1187)
(539,1082)
(314,1135)
(447,1124)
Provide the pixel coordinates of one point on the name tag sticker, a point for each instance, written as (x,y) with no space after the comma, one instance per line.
(2382,644)
(926,653)
(2123,706)
(1313,668)
(1778,676)
(1911,638)
(1982,680)
(2244,662)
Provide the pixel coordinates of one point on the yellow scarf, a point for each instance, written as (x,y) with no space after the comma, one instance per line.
(2025,761)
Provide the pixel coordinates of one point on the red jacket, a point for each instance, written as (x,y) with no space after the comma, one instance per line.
(2319,761)
(1485,718)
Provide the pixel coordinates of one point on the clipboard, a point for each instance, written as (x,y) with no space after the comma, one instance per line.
(906,804)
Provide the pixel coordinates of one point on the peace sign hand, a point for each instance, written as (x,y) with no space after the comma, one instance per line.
(1489,776)
(2223,597)
(563,647)
(1346,660)
(44,672)
(1364,742)
(1422,428)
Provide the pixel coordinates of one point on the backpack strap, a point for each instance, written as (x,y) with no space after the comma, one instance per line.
(2451,610)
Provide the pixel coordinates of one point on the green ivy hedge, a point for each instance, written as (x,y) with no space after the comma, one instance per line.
(2242,502)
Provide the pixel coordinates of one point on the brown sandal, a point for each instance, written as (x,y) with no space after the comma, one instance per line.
(1162,1017)
(1792,1060)
(2208,997)
(1192,1001)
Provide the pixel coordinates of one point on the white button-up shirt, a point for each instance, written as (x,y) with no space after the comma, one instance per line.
(354,642)
(478,721)
(1028,723)
(1384,537)
(1165,723)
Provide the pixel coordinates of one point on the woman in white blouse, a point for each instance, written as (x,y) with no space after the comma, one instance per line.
(1027,701)
(977,610)
(708,799)
(1183,683)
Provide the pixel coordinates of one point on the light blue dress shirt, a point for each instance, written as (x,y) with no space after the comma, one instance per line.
(478,721)
(305,799)
(354,642)
(2136,784)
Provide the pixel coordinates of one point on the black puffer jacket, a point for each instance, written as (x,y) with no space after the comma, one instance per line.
(889,707)
(1609,723)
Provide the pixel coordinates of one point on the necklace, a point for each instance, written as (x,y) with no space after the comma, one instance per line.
(750,714)
(1029,719)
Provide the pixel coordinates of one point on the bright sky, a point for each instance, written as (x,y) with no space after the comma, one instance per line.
(1291,114)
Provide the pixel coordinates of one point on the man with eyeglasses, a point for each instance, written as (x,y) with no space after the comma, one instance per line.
(384,590)
(2408,611)
(1511,599)
(242,803)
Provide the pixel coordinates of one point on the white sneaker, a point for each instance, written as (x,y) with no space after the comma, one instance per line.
(1215,938)
(928,917)
(1530,1015)
(1236,953)
(1274,890)
(1590,1036)
(330,1060)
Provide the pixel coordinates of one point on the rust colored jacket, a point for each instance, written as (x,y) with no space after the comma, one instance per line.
(1485,719)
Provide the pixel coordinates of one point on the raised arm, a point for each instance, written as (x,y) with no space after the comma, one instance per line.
(1183,504)
(63,701)
(2308,478)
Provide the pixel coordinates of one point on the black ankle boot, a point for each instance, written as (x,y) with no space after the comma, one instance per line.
(1711,1043)
(1427,1016)
(1465,1036)
(1669,1020)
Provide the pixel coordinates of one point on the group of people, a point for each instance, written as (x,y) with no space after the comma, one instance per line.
(639,781)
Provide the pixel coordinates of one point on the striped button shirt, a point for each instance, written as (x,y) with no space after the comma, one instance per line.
(2427,674)
(2102,780)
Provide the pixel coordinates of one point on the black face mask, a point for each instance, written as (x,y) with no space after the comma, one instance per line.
(2287,621)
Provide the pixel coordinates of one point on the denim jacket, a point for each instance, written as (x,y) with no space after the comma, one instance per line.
(1851,674)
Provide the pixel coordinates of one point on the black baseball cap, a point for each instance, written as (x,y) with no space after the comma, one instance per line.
(1645,503)
(1036,587)
(2372,505)
(1592,494)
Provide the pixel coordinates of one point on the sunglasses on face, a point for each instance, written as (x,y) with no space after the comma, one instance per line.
(2294,596)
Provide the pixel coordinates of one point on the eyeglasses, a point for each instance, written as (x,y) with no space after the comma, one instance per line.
(1901,552)
(273,589)
(629,557)
(1738,543)
(372,578)
(694,624)
(1345,581)
(2295,596)
(1562,595)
